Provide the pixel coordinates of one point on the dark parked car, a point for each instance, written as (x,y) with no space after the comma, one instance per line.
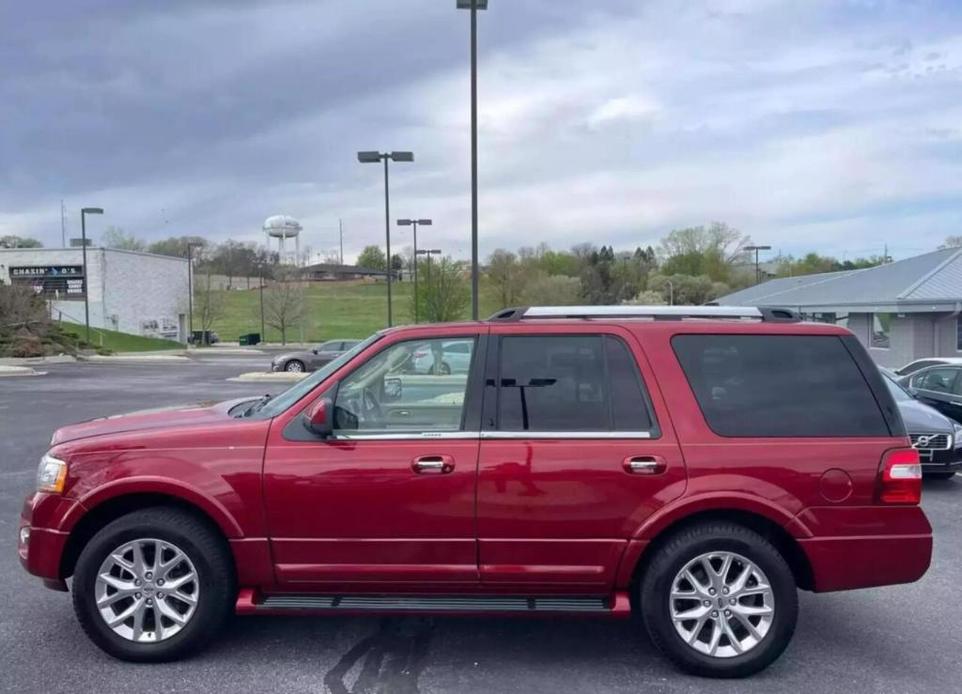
(937,438)
(312,359)
(591,462)
(939,387)
(920,364)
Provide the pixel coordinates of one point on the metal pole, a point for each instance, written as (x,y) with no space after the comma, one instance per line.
(756,265)
(387,232)
(83,242)
(474,160)
(190,296)
(340,232)
(415,224)
(63,225)
(263,332)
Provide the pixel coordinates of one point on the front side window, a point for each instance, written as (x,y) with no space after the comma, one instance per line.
(391,394)
(570,383)
(935,380)
(779,385)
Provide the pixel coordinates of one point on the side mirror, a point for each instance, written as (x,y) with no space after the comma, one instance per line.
(320,418)
(314,351)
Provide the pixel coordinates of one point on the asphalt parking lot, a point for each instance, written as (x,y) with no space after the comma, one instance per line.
(899,639)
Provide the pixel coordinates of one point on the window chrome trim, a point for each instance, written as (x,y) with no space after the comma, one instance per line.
(491,435)
(408,436)
(566,435)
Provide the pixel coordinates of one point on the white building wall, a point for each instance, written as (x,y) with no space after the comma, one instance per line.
(138,293)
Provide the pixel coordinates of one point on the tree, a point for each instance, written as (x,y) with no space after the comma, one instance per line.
(177,246)
(115,237)
(552,290)
(284,302)
(507,275)
(699,250)
(693,290)
(209,306)
(397,265)
(443,294)
(648,297)
(13,241)
(373,258)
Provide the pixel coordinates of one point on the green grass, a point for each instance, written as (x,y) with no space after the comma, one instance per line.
(120,342)
(334,310)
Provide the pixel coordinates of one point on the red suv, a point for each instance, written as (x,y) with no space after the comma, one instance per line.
(696,465)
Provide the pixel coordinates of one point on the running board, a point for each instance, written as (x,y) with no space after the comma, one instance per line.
(248,602)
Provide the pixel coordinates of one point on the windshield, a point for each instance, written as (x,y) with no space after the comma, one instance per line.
(897,391)
(275,406)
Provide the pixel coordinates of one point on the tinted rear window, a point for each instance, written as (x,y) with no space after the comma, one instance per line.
(779,385)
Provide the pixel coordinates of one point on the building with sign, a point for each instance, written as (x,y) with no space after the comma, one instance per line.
(138,293)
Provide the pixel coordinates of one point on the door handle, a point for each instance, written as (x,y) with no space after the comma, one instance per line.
(645,465)
(433,464)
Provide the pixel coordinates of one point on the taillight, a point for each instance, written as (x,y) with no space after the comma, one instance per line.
(900,479)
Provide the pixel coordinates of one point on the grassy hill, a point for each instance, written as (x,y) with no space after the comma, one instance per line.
(119,342)
(334,309)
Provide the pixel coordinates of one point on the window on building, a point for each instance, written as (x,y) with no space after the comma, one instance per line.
(881,327)
(570,383)
(779,385)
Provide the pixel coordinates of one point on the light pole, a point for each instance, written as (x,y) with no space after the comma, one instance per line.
(414,223)
(374,158)
(757,249)
(474,6)
(671,292)
(83,242)
(190,293)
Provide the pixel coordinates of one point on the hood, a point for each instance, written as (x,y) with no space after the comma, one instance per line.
(920,418)
(301,354)
(158,418)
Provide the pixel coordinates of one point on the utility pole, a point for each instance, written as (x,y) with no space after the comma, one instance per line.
(63,225)
(340,232)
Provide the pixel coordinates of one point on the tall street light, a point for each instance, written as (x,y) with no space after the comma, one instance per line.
(474,6)
(83,241)
(757,249)
(374,158)
(414,223)
(190,292)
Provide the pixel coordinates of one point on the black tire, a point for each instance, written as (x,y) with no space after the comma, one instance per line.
(685,546)
(445,369)
(295,366)
(939,475)
(206,549)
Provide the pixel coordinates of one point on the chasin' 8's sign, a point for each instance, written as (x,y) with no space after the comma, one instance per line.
(53,281)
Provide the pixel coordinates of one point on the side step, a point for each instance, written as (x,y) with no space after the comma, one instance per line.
(248,602)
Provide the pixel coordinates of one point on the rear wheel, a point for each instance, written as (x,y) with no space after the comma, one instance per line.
(154,585)
(719,600)
(445,369)
(294,366)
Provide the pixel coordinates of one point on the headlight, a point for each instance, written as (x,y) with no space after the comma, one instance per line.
(51,474)
(958,435)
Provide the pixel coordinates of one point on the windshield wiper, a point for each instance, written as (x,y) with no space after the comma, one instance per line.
(261,401)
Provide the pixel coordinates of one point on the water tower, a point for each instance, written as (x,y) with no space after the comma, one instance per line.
(282,227)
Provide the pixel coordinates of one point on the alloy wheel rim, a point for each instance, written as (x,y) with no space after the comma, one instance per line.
(147,590)
(295,366)
(722,604)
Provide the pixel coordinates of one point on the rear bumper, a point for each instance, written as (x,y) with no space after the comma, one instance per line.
(864,547)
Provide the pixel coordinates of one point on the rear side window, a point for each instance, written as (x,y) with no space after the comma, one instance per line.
(779,385)
(566,383)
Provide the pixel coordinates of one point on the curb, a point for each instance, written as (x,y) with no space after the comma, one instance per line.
(269,377)
(10,371)
(137,358)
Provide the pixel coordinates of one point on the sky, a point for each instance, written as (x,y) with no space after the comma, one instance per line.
(825,125)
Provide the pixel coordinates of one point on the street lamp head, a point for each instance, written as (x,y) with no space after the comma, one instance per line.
(92,210)
(758,248)
(404,222)
(402,156)
(369,157)
(425,222)
(478,4)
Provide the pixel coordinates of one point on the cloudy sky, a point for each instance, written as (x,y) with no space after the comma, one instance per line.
(833,125)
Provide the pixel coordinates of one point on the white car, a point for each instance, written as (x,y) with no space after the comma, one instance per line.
(455,358)
(918,364)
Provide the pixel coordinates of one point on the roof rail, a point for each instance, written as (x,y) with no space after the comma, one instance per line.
(771,315)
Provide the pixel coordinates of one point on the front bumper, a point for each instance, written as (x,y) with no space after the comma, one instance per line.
(46,538)
(941,461)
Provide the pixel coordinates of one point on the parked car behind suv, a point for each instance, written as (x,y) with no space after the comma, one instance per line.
(312,359)
(593,461)
(937,438)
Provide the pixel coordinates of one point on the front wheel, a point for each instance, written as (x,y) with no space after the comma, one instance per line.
(154,585)
(719,600)
(294,366)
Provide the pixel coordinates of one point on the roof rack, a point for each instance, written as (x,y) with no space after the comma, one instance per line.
(771,315)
